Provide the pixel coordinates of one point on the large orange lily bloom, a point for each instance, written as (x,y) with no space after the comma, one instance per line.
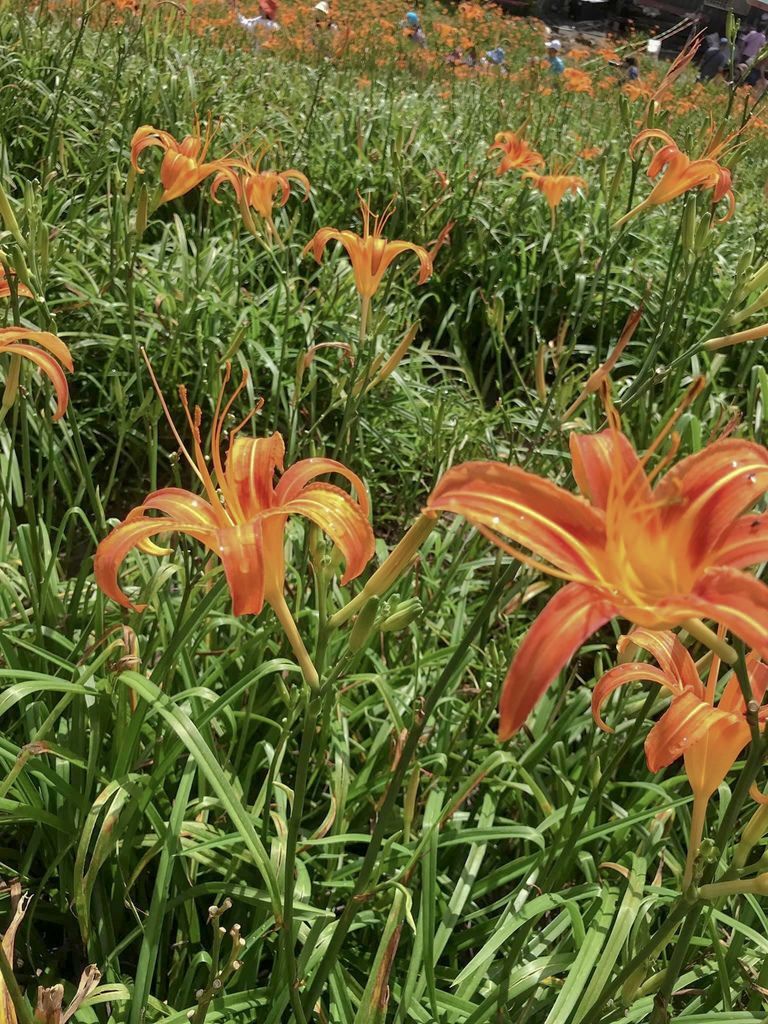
(5,286)
(49,357)
(680,174)
(657,554)
(259,190)
(554,187)
(184,165)
(370,254)
(709,737)
(516,153)
(244,518)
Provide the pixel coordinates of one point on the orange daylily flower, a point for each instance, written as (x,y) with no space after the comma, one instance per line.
(370,254)
(244,518)
(516,153)
(554,187)
(659,554)
(680,174)
(184,165)
(48,357)
(577,81)
(709,737)
(259,189)
(5,286)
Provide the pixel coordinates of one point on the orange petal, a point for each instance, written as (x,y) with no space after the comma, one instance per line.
(242,549)
(674,659)
(604,461)
(708,761)
(50,368)
(745,543)
(573,615)
(738,601)
(733,699)
(295,478)
(555,524)
(705,492)
(634,672)
(686,723)
(112,551)
(250,471)
(338,515)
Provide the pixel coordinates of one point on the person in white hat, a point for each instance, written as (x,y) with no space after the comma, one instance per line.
(554,46)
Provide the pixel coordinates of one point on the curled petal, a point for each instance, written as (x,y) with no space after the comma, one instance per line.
(50,368)
(295,478)
(573,615)
(555,524)
(111,552)
(146,136)
(674,659)
(650,133)
(340,516)
(620,676)
(317,244)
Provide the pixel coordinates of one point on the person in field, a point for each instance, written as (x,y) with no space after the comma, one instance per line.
(262,24)
(714,60)
(633,71)
(556,64)
(751,45)
(414,30)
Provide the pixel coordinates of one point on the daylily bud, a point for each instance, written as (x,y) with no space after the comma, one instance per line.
(745,260)
(363,627)
(402,615)
(703,234)
(618,175)
(753,334)
(759,280)
(688,225)
(142,211)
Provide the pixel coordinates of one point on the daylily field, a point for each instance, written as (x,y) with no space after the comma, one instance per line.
(382,475)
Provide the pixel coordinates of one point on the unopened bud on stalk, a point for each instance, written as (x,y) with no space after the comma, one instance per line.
(688,225)
(754,307)
(402,615)
(703,233)
(745,260)
(753,334)
(390,571)
(758,281)
(757,886)
(142,211)
(363,627)
(618,175)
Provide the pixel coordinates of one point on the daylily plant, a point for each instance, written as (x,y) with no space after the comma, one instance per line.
(5,285)
(184,164)
(244,518)
(709,736)
(660,554)
(259,190)
(516,154)
(370,254)
(679,174)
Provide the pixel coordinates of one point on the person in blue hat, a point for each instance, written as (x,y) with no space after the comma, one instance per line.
(415,32)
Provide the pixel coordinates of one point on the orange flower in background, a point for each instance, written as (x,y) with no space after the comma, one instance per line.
(5,286)
(244,518)
(680,174)
(657,553)
(516,153)
(710,737)
(370,254)
(590,152)
(259,190)
(184,165)
(49,358)
(555,186)
(577,81)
